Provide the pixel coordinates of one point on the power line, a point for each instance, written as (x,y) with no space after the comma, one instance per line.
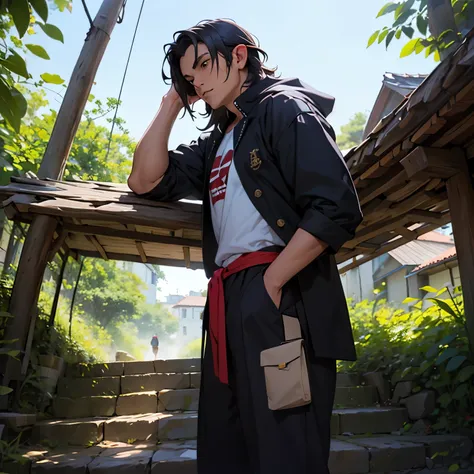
(86,9)
(125,72)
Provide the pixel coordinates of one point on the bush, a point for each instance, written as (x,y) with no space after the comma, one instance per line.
(191,350)
(429,346)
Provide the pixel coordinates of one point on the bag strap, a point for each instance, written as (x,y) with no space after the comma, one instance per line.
(292,328)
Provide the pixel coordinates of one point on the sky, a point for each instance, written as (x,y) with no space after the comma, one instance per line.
(321,42)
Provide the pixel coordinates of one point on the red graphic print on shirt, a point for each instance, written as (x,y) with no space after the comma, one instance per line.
(219,175)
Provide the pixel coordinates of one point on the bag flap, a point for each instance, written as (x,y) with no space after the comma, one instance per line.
(281,355)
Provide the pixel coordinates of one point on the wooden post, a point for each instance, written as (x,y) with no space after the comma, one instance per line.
(461,206)
(80,84)
(26,288)
(40,235)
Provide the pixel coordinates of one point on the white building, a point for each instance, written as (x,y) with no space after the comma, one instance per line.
(189,311)
(147,274)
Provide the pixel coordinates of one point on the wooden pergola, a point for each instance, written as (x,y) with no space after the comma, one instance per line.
(108,221)
(412,174)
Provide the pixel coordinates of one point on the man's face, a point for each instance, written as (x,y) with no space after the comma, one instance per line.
(209,80)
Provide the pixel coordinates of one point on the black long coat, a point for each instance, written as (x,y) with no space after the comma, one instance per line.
(293,172)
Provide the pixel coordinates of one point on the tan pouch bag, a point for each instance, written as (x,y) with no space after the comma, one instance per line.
(286,372)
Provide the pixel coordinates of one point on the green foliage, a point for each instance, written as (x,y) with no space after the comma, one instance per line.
(18,19)
(155,319)
(88,158)
(429,346)
(108,294)
(191,350)
(351,133)
(10,452)
(410,17)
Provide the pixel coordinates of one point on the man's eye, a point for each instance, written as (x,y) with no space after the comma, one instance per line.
(204,64)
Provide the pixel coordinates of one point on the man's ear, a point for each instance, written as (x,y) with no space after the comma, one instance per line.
(240,55)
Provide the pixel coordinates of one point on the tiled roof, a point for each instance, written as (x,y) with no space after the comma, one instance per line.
(416,252)
(438,259)
(436,237)
(193,301)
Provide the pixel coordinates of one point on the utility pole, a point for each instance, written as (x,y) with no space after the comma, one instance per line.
(41,232)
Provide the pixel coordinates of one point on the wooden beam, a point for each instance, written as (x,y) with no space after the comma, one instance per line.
(425,216)
(132,235)
(187,257)
(404,232)
(463,127)
(381,185)
(386,247)
(461,205)
(135,258)
(57,243)
(93,240)
(424,163)
(141,251)
(77,93)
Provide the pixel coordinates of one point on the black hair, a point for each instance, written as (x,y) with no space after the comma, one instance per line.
(221,37)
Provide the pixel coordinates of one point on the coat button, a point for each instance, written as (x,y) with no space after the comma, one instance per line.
(258,193)
(280,223)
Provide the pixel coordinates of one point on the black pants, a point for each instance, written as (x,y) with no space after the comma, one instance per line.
(237,432)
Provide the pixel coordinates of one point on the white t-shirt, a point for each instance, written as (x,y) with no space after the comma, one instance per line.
(238,226)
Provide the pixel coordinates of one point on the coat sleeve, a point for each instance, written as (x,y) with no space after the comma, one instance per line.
(323,190)
(184,177)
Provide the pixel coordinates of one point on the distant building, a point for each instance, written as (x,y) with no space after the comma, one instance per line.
(147,274)
(171,301)
(189,311)
(429,260)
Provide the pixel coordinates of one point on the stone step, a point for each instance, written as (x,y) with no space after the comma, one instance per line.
(136,403)
(348,379)
(386,454)
(165,425)
(368,420)
(178,400)
(84,407)
(112,369)
(150,427)
(158,382)
(88,387)
(186,399)
(357,396)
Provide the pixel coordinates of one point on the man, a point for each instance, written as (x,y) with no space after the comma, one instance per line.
(278,203)
(155,343)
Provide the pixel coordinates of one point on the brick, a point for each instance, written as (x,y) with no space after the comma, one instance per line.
(154,382)
(392,453)
(347,458)
(195,380)
(131,428)
(129,461)
(175,458)
(177,366)
(371,420)
(139,367)
(73,432)
(136,403)
(87,387)
(348,380)
(180,426)
(62,464)
(17,421)
(183,400)
(362,396)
